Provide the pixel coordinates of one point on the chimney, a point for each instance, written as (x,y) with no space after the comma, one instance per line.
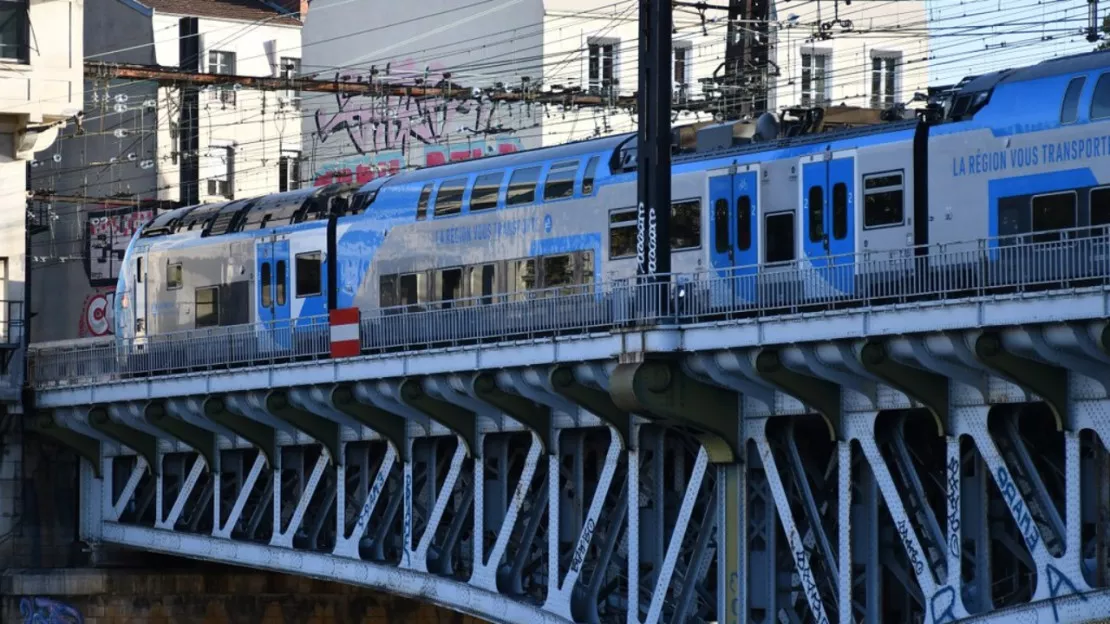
(294,6)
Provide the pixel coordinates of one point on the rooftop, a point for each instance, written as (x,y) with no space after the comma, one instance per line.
(246,10)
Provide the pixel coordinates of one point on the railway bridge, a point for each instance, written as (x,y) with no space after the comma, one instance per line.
(935,453)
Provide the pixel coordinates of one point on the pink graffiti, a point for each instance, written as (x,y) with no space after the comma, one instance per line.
(97,314)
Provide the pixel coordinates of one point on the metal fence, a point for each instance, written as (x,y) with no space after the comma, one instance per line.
(1064,259)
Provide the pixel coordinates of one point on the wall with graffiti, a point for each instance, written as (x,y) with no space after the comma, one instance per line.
(35,610)
(358,138)
(74,277)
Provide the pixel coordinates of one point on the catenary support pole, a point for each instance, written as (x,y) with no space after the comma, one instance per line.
(653,155)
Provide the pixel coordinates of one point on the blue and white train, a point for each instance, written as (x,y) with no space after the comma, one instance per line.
(1016,155)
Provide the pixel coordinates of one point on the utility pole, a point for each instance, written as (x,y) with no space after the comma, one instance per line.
(188,157)
(1092,16)
(653,152)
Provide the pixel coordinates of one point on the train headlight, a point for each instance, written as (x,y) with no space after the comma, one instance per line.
(124,302)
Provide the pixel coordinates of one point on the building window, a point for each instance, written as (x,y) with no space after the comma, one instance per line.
(14,28)
(681,76)
(289,172)
(222,184)
(289,69)
(220,62)
(815,87)
(602,58)
(884,80)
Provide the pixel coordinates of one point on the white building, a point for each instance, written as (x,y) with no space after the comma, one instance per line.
(133,141)
(569,45)
(40,88)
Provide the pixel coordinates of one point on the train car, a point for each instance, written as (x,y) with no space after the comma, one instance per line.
(542,240)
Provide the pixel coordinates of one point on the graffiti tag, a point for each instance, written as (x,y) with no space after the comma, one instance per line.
(1017,506)
(954,507)
(107,234)
(809,583)
(943,604)
(583,545)
(98,314)
(911,550)
(48,611)
(1057,580)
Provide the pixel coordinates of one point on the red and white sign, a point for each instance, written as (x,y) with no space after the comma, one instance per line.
(344,332)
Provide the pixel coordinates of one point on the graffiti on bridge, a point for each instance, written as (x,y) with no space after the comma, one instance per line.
(35,610)
(391,132)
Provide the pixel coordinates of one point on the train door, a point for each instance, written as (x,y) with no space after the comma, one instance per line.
(745,218)
(734,254)
(139,313)
(273,294)
(828,221)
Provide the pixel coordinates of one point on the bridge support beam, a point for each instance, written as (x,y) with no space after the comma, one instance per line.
(535,416)
(390,426)
(659,387)
(43,423)
(264,438)
(460,421)
(1047,381)
(599,403)
(324,431)
(818,394)
(203,442)
(141,442)
(927,388)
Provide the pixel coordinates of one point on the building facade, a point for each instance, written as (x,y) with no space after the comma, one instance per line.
(868,54)
(40,90)
(133,155)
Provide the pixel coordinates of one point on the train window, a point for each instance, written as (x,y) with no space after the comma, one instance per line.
(720,225)
(587,259)
(1100,102)
(560,180)
(486,189)
(816,209)
(139,270)
(1100,206)
(522,186)
(279,282)
(1069,112)
(450,196)
(780,237)
(422,203)
(622,233)
(1053,212)
(840,210)
(308,273)
(522,278)
(266,277)
(412,291)
(558,273)
(387,291)
(686,224)
(744,223)
(174,277)
(588,178)
(883,199)
(482,281)
(450,285)
(207,307)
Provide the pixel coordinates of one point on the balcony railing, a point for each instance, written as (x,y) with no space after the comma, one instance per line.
(1006,265)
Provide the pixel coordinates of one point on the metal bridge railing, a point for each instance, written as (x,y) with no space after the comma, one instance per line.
(1062,259)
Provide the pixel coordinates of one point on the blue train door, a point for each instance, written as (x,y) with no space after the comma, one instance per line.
(745,239)
(273,293)
(828,221)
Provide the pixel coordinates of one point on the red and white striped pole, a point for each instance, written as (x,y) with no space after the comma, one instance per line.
(345,332)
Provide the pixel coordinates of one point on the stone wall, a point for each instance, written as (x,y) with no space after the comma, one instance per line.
(211,596)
